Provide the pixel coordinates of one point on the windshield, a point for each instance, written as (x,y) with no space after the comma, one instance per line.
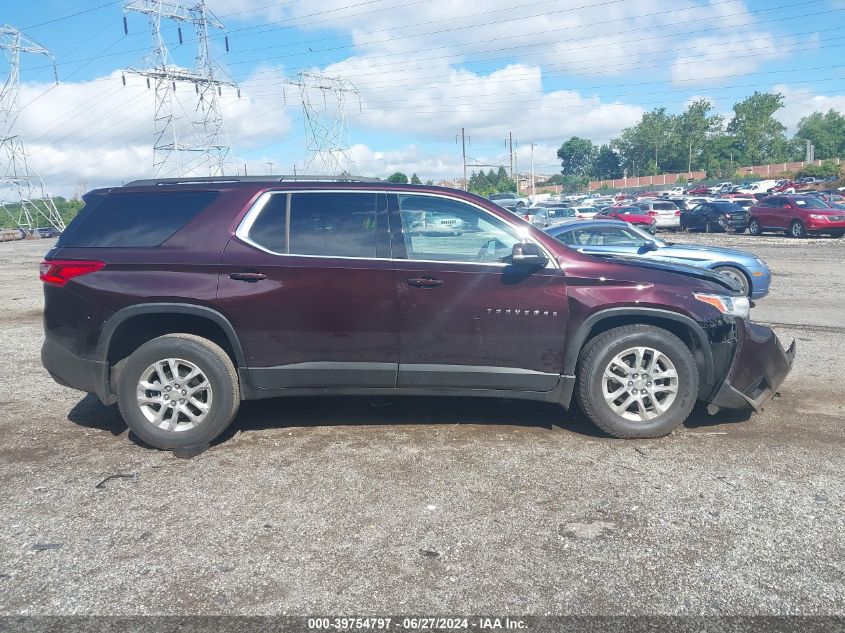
(561,212)
(810,203)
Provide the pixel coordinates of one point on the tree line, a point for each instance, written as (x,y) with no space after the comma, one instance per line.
(699,140)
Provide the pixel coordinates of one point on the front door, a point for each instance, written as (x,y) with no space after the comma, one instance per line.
(308,285)
(468,318)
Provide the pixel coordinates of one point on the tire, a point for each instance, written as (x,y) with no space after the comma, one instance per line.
(708,228)
(797,229)
(602,352)
(190,353)
(754,227)
(520,205)
(737,275)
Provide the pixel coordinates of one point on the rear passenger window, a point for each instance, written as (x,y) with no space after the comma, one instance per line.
(333,224)
(134,219)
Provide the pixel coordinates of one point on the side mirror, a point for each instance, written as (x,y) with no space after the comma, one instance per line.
(648,245)
(528,254)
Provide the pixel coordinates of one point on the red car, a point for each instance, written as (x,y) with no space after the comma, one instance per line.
(632,215)
(797,215)
(784,186)
(698,190)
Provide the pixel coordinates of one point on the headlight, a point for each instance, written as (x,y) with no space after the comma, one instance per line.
(816,216)
(735,306)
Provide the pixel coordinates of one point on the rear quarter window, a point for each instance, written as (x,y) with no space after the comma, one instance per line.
(134,220)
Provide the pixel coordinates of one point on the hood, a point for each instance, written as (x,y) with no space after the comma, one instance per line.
(680,269)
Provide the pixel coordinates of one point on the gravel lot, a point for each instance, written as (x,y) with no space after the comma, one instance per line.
(432,506)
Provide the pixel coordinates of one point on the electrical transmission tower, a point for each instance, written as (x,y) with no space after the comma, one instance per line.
(324,101)
(22,194)
(201,146)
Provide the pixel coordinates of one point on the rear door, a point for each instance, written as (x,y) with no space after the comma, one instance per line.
(308,285)
(469,319)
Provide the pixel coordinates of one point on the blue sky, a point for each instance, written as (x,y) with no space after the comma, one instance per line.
(543,70)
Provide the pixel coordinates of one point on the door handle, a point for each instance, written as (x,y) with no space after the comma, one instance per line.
(248,277)
(425,282)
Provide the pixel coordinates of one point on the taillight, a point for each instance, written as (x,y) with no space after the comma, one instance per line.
(58,272)
(677,213)
(653,214)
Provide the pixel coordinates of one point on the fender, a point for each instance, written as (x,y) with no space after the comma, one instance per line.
(578,339)
(210,314)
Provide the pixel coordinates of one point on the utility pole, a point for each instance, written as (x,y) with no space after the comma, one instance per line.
(510,148)
(18,181)
(207,145)
(533,187)
(270,165)
(464,152)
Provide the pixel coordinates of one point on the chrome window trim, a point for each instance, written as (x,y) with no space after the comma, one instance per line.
(242,232)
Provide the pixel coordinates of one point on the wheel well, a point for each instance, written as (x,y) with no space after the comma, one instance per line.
(677,328)
(139,329)
(740,270)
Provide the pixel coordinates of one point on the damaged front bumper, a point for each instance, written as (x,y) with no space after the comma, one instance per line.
(760,364)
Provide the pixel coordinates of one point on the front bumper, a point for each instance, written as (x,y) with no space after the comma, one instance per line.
(759,366)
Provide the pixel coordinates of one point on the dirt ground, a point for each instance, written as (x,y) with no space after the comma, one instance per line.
(404,505)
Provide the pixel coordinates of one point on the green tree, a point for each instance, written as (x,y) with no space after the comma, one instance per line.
(415,180)
(696,127)
(576,156)
(825,131)
(398,177)
(758,136)
(429,182)
(606,164)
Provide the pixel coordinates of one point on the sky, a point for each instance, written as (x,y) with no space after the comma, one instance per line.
(540,70)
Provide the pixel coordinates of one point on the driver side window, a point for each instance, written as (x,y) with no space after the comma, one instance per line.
(441,229)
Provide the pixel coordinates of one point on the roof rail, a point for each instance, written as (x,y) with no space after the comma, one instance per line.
(191,180)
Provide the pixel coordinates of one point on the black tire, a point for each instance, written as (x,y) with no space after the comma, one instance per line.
(737,275)
(520,205)
(797,229)
(205,355)
(597,355)
(708,227)
(754,227)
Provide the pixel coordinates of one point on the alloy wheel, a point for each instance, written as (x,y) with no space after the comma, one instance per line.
(174,395)
(640,384)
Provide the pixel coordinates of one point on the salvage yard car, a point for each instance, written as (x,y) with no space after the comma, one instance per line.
(797,216)
(715,217)
(178,299)
(603,237)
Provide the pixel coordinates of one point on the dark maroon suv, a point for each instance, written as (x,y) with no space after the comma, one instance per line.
(178,299)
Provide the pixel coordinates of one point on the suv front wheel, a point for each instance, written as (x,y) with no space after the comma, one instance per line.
(178,390)
(636,381)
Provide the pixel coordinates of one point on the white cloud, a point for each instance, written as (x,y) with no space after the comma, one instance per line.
(100,132)
(800,103)
(704,60)
(507,100)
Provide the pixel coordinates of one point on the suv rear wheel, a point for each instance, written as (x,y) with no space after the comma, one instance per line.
(754,227)
(178,390)
(636,381)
